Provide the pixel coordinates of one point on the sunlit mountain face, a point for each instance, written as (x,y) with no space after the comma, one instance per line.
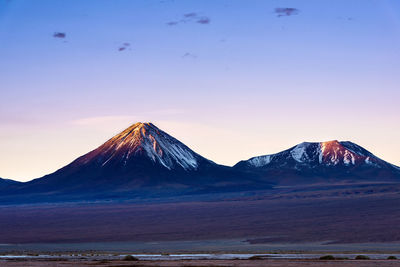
(144,140)
(322,162)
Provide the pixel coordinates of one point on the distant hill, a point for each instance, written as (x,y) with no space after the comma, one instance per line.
(7,182)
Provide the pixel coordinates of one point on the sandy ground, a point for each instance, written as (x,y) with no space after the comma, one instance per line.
(318,217)
(205,263)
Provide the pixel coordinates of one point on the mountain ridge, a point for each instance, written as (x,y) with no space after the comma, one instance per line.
(6,182)
(143,161)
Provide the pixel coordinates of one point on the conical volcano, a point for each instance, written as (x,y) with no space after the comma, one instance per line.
(141,161)
(144,142)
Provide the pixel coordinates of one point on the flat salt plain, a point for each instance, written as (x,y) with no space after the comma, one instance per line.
(203,263)
(201,247)
(194,250)
(174,257)
(191,253)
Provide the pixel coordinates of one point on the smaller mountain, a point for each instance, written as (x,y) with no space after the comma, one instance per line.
(331,161)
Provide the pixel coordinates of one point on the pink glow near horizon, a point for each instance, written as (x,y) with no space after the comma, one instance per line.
(248,82)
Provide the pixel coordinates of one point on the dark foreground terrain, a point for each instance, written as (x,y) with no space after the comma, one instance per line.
(360,215)
(207,263)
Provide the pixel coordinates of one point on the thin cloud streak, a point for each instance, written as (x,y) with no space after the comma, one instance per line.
(60,35)
(286,11)
(204,20)
(190,17)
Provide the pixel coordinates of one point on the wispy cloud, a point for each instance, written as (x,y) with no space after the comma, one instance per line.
(61,35)
(124,46)
(172,23)
(286,11)
(203,20)
(189,55)
(191,17)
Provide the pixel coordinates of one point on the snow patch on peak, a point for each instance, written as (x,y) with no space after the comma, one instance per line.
(260,161)
(321,152)
(354,148)
(167,151)
(348,158)
(298,153)
(370,161)
(146,139)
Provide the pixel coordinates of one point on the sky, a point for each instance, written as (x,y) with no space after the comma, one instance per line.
(230,79)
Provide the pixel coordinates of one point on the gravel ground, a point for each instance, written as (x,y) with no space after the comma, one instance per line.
(203,263)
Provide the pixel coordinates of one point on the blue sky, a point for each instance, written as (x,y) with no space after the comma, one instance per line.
(249,82)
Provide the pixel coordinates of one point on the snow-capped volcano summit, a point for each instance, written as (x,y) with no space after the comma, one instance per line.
(329,153)
(322,159)
(144,140)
